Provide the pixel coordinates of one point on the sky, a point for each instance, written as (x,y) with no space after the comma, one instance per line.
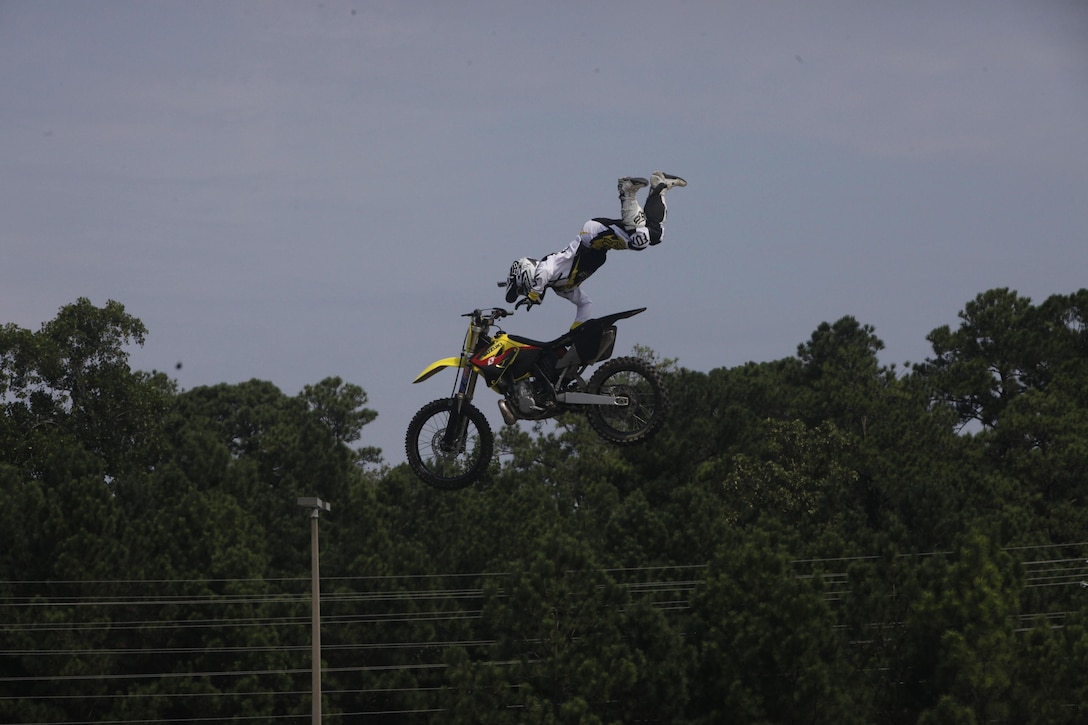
(289,191)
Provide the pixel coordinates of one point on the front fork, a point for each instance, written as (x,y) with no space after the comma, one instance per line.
(457,427)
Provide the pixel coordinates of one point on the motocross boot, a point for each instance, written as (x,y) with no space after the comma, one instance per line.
(656,208)
(661,182)
(630,211)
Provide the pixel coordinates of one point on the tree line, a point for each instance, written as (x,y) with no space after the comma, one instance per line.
(821,538)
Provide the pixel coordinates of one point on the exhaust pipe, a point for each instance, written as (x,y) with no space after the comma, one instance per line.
(509,417)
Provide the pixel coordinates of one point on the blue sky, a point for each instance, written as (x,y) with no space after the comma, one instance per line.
(293,190)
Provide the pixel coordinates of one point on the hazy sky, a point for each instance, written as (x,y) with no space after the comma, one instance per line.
(293,190)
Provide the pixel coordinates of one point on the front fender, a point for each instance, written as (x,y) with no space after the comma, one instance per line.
(437,365)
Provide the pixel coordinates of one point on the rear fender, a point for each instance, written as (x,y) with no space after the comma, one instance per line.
(438,365)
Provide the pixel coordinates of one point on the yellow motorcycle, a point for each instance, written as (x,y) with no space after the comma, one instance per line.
(449,441)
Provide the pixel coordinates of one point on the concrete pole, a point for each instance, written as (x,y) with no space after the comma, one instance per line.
(315,621)
(316,506)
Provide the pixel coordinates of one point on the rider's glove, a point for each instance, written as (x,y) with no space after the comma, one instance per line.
(532,297)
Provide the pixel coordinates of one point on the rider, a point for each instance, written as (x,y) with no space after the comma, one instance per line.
(565,271)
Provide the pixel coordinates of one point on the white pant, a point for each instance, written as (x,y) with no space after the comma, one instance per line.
(580,299)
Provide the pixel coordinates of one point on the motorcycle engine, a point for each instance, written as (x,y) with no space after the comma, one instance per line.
(523,394)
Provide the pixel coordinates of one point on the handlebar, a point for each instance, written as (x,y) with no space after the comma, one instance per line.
(487,316)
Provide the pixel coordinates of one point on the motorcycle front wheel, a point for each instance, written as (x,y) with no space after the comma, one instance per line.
(647,400)
(448,467)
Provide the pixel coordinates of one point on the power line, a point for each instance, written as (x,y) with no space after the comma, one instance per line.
(232,718)
(501,574)
(669,595)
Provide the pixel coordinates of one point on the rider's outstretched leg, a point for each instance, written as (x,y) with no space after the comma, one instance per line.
(630,211)
(656,209)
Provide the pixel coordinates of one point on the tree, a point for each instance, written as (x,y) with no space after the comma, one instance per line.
(71,381)
(266,449)
(997,353)
(813,539)
(799,478)
(841,369)
(765,647)
(339,408)
(1021,372)
(1048,686)
(570,647)
(962,634)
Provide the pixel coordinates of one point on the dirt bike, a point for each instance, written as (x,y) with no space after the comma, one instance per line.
(449,441)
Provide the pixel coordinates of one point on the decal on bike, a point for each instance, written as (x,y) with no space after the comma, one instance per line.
(466,378)
(501,358)
(488,356)
(494,357)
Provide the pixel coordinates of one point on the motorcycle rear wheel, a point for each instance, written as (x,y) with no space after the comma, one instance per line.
(448,468)
(648,401)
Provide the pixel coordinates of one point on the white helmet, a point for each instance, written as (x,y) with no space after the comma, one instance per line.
(520,279)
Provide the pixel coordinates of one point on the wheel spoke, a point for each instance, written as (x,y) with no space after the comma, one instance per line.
(642,385)
(442,466)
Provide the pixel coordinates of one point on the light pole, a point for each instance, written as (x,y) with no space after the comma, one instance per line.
(316,506)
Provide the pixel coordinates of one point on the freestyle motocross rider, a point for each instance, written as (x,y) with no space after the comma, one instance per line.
(565,271)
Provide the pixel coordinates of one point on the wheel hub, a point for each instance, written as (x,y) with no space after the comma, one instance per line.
(440,449)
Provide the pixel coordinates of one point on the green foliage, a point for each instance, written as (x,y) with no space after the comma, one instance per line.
(142,526)
(764,639)
(822,538)
(961,630)
(67,392)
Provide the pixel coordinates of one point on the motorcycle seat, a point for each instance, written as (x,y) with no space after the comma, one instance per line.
(558,342)
(586,338)
(588,332)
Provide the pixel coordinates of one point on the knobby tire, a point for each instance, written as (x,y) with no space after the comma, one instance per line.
(436,466)
(649,401)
